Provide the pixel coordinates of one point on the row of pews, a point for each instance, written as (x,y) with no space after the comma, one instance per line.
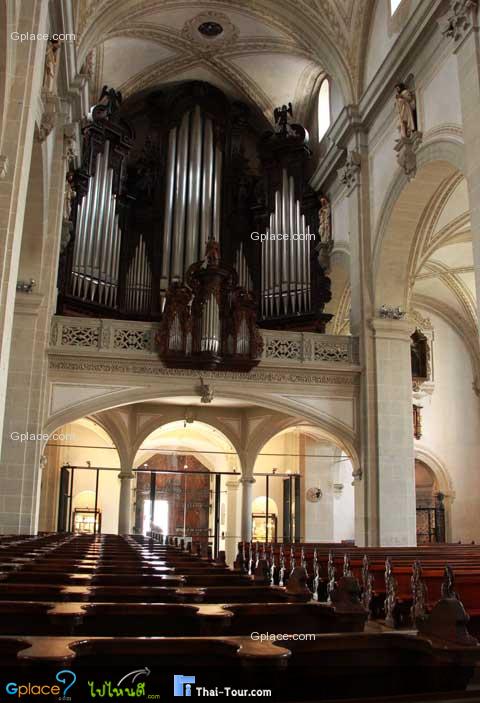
(96,603)
(398,584)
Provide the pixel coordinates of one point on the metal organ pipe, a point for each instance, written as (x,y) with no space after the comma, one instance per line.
(169,200)
(217,193)
(286,263)
(193,195)
(194,186)
(178,244)
(207,185)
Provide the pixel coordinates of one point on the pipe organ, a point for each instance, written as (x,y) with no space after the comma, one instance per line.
(192,194)
(162,175)
(98,236)
(286,288)
(138,292)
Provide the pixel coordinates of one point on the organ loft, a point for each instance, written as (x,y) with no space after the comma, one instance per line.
(239,356)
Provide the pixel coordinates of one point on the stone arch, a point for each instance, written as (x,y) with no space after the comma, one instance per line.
(158,423)
(443,481)
(438,469)
(336,433)
(402,215)
(186,387)
(108,425)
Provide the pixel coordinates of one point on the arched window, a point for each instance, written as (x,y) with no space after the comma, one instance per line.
(323,108)
(393,5)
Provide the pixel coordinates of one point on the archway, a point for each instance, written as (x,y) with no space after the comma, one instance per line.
(187,485)
(308,474)
(80,488)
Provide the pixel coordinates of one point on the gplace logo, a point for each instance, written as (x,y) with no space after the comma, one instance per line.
(38,689)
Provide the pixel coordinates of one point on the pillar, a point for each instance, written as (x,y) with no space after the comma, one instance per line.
(247,493)
(395,446)
(125,506)
(231,534)
(354,177)
(19,120)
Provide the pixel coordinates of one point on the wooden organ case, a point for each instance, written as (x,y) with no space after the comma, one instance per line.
(166,172)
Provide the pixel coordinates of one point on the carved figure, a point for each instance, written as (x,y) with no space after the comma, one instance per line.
(280,115)
(406,108)
(110,100)
(324,221)
(51,60)
(68,196)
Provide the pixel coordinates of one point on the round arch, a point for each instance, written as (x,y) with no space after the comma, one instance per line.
(438,469)
(327,429)
(156,425)
(402,215)
(128,396)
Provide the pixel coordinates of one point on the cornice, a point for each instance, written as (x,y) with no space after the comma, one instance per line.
(151,370)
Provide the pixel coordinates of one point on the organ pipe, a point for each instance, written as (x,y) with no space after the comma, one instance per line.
(139,281)
(192,197)
(98,237)
(285,272)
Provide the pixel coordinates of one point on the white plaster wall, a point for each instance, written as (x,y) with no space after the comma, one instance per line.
(440,97)
(384,31)
(451,427)
(344,503)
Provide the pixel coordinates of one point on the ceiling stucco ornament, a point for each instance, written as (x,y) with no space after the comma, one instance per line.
(208,42)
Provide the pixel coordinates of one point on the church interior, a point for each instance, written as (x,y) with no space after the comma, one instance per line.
(240,351)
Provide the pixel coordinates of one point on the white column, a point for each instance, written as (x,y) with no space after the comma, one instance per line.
(354,177)
(125,507)
(247,493)
(395,447)
(19,114)
(232,536)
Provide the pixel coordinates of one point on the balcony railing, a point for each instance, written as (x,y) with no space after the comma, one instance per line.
(137,339)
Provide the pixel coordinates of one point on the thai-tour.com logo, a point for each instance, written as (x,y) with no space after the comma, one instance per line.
(184,686)
(65,679)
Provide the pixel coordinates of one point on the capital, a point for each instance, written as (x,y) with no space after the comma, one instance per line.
(459,20)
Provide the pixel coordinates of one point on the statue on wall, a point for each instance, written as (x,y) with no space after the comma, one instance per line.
(406,109)
(324,221)
(51,60)
(69,195)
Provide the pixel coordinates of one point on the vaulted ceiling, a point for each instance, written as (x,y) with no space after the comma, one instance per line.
(268,53)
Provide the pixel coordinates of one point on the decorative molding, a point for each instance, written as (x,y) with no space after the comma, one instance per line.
(349,174)
(406,149)
(120,338)
(152,369)
(387,312)
(459,20)
(49,119)
(206,43)
(3,166)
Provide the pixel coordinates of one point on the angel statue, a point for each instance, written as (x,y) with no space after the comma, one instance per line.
(280,115)
(324,221)
(406,108)
(50,67)
(111,99)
